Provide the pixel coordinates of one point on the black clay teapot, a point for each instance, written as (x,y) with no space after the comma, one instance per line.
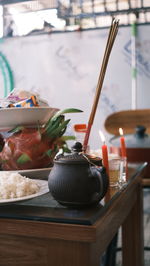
(75,182)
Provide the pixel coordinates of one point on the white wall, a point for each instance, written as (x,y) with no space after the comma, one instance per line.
(64,68)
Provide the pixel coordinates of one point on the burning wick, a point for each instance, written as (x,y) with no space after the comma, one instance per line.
(104,152)
(122,143)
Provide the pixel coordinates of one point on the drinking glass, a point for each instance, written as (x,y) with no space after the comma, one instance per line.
(123,171)
(114,172)
(117,171)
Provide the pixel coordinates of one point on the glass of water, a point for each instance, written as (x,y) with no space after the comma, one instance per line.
(117,171)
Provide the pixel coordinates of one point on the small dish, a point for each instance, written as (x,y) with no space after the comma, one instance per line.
(11,117)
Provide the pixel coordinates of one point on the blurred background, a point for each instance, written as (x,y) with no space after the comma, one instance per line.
(20,17)
(56,48)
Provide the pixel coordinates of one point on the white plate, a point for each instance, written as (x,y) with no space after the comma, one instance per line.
(43,190)
(41,173)
(11,117)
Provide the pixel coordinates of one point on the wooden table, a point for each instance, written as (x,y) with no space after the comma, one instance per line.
(40,233)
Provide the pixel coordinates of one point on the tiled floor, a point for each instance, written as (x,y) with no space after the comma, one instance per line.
(146,230)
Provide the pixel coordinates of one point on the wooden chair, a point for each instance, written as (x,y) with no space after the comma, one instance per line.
(128,120)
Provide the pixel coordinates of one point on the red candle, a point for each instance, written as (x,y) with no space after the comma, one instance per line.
(104,153)
(122,143)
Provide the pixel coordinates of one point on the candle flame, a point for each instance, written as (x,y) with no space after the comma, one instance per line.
(102,136)
(121,131)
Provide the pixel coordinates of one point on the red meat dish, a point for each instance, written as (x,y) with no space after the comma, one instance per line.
(32,144)
(33,148)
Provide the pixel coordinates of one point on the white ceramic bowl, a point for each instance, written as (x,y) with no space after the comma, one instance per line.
(11,117)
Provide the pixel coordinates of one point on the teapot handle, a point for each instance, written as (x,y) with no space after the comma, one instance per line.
(100,174)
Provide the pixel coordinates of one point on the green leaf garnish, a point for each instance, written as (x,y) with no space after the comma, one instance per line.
(66,111)
(56,125)
(16,129)
(49,152)
(24,158)
(53,126)
(61,129)
(65,138)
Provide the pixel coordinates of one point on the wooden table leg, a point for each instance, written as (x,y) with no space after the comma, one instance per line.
(69,253)
(132,233)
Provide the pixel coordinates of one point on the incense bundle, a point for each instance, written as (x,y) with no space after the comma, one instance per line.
(110,41)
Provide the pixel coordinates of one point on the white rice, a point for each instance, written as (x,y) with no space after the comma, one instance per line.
(13,185)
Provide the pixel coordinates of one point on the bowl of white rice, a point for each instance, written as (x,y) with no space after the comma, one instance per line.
(14,185)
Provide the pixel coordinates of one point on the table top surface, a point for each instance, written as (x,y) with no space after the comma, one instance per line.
(44,208)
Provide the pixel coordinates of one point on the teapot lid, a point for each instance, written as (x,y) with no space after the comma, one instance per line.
(137,140)
(76,157)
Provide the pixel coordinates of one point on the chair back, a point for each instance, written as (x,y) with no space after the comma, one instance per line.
(128,120)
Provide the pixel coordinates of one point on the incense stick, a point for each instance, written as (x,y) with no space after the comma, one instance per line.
(110,41)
